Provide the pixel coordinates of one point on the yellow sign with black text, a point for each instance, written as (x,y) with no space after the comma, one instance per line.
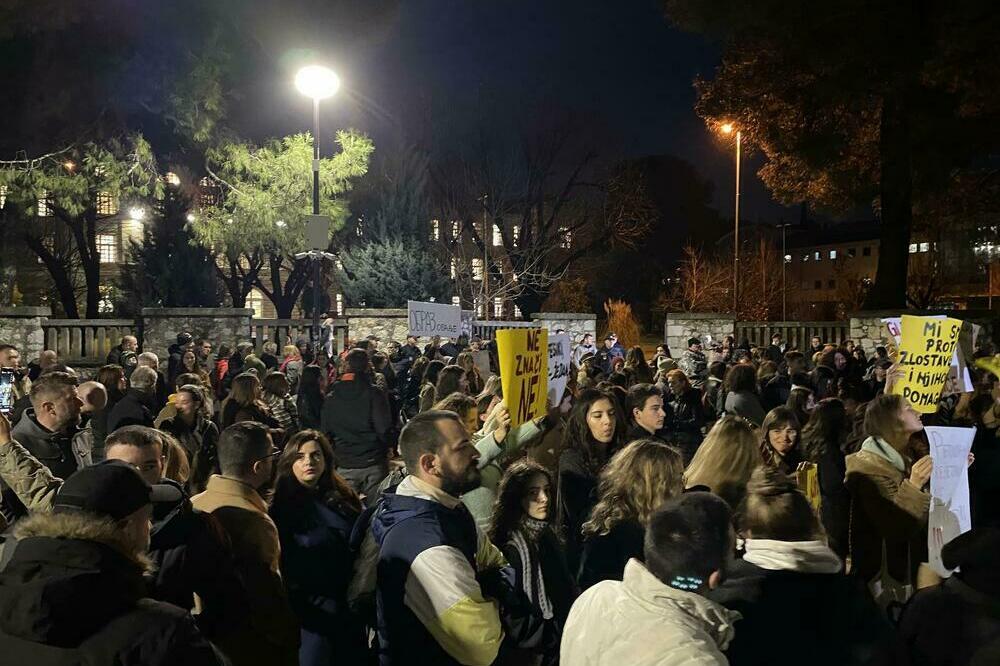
(926,348)
(524,372)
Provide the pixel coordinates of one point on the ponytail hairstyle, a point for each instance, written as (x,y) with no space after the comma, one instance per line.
(775,508)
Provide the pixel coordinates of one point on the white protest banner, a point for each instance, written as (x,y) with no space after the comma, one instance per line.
(560,356)
(430,319)
(950,514)
(959,380)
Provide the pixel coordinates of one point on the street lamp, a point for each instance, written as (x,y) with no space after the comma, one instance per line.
(728,128)
(784,264)
(319,83)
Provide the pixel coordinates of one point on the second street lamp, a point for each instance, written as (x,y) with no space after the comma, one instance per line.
(319,83)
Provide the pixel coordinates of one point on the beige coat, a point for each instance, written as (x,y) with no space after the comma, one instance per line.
(885,506)
(270,633)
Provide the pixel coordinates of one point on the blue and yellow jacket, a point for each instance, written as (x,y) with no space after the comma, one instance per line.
(431,608)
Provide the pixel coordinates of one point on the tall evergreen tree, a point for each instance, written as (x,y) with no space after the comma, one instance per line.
(167,268)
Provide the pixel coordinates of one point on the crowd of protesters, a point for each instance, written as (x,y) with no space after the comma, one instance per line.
(231,503)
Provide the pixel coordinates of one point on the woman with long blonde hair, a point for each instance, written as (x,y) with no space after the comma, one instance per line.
(726,459)
(635,482)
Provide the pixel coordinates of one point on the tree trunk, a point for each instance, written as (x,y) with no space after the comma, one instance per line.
(285,295)
(60,277)
(896,191)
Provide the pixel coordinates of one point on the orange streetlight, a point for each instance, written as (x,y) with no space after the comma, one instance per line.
(728,128)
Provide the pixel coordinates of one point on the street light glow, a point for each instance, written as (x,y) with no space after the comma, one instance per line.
(727,128)
(317,82)
(137,213)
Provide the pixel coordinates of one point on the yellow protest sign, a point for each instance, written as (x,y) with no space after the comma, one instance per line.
(925,353)
(524,372)
(990,364)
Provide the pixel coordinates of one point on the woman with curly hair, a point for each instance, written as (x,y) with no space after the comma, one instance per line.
(636,481)
(593,432)
(636,367)
(521,527)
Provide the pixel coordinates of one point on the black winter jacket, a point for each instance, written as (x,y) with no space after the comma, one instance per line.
(356,418)
(66,600)
(135,408)
(605,556)
(791,618)
(193,555)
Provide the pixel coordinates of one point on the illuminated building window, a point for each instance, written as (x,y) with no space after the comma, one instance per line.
(455,300)
(497,236)
(565,238)
(106,204)
(435,230)
(107,248)
(517,312)
(43,204)
(340,305)
(255,301)
(498,307)
(454,269)
(456,228)
(833,254)
(515,235)
(817,256)
(3,195)
(477,269)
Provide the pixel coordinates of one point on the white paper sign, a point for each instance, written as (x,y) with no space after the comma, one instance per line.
(560,357)
(468,321)
(430,319)
(482,360)
(950,514)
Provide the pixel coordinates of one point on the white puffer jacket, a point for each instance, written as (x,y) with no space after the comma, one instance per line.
(640,621)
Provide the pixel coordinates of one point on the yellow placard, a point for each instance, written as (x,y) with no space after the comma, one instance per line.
(524,372)
(925,354)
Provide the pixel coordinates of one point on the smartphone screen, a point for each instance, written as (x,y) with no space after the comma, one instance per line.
(6,390)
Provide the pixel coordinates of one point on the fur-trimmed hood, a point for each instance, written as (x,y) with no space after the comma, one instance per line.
(69,575)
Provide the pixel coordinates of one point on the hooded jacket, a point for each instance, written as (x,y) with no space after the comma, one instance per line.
(641,621)
(431,608)
(835,621)
(356,417)
(70,596)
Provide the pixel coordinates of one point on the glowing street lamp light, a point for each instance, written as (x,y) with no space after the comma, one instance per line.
(319,83)
(728,128)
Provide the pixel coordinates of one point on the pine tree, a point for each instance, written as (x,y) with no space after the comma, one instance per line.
(386,274)
(167,269)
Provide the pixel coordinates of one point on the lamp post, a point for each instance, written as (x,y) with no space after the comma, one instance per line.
(729,128)
(319,83)
(784,265)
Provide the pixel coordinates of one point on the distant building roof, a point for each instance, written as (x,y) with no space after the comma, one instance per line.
(832,234)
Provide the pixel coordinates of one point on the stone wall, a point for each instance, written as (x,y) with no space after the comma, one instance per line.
(221,325)
(384,323)
(22,327)
(575,324)
(680,326)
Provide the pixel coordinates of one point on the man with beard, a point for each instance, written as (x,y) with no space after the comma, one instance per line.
(268,632)
(435,569)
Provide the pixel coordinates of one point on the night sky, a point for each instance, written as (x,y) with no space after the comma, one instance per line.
(451,63)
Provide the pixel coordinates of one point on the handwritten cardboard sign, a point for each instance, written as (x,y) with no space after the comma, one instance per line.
(926,349)
(430,319)
(950,514)
(524,372)
(560,357)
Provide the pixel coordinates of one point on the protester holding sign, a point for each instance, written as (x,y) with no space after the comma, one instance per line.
(889,504)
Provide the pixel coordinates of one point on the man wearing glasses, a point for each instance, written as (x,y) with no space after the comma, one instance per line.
(269,634)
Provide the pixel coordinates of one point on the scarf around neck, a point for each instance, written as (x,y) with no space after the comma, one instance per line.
(884,450)
(801,556)
(525,541)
